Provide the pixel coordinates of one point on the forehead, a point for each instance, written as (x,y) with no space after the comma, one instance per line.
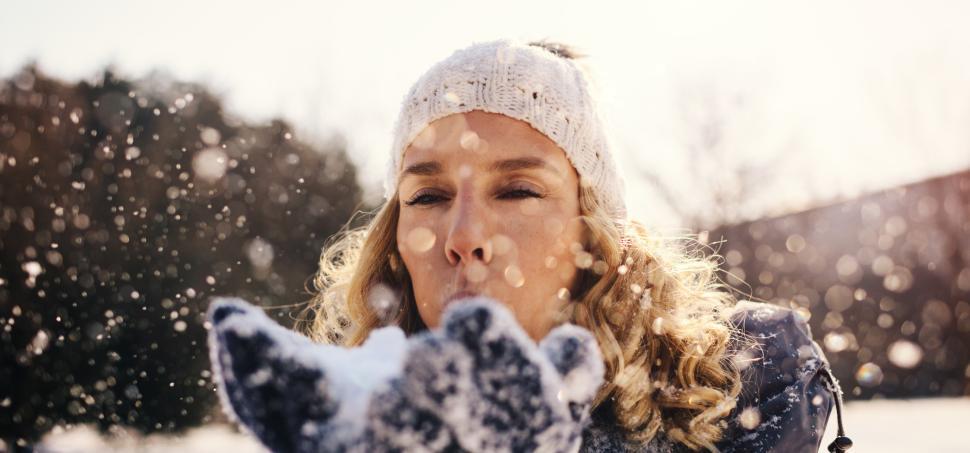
(480,137)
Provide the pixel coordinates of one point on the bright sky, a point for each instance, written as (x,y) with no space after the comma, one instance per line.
(854,96)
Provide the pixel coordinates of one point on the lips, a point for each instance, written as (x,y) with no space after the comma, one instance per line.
(458,296)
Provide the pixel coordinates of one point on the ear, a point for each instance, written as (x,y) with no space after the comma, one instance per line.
(267,378)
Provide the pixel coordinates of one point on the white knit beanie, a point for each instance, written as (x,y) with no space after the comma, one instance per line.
(524,82)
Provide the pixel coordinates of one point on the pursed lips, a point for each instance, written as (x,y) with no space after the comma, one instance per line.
(458,296)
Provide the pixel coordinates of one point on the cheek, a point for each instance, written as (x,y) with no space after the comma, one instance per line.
(418,247)
(415,244)
(416,238)
(546,250)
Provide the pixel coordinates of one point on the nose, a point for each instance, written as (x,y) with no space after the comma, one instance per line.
(468,233)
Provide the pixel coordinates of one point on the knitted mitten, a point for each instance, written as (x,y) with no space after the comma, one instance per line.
(477,383)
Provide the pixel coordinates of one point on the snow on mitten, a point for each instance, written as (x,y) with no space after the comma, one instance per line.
(478,383)
(481,384)
(290,393)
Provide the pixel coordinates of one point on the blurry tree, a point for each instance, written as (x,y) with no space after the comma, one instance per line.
(717,181)
(123,206)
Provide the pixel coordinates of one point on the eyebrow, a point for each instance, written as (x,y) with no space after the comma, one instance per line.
(432,168)
(522,163)
(422,169)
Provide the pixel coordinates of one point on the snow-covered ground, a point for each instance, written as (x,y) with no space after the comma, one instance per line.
(925,425)
(211,438)
(938,425)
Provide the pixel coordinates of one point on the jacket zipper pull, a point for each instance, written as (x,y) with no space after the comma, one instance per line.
(842,442)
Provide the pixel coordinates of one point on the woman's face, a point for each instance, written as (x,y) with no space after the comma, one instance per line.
(489,206)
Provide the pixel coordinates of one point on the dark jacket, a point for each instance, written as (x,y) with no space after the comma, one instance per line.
(788,390)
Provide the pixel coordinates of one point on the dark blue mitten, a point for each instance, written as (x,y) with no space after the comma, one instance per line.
(481,384)
(478,383)
(272,388)
(290,393)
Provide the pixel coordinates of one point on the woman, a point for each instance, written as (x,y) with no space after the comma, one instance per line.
(502,184)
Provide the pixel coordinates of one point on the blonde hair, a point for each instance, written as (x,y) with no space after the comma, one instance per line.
(658,311)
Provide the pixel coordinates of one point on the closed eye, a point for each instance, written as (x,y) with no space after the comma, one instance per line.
(424,199)
(514,194)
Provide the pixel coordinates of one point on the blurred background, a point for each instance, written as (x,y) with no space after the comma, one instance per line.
(153,155)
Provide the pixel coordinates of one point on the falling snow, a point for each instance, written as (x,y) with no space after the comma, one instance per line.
(126,204)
